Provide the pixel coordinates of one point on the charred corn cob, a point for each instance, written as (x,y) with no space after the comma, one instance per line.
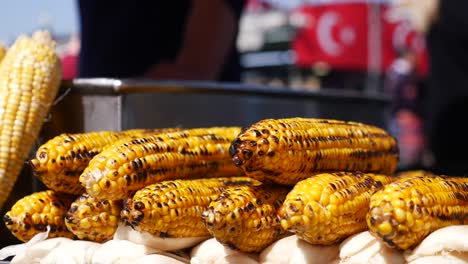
(30,75)
(407,210)
(327,208)
(174,208)
(120,170)
(60,161)
(33,213)
(244,217)
(286,151)
(91,219)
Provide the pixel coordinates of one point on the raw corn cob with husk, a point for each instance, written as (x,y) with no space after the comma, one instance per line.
(286,151)
(61,160)
(33,213)
(120,170)
(30,75)
(244,217)
(326,208)
(91,219)
(407,210)
(174,208)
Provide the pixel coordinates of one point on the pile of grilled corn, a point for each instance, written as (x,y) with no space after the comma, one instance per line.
(322,180)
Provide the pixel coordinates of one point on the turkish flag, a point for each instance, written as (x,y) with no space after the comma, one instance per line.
(337,34)
(333,33)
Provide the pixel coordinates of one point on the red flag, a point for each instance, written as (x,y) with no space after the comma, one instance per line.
(337,33)
(333,33)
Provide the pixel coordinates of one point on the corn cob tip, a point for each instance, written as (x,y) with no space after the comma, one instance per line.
(90,180)
(92,219)
(44,37)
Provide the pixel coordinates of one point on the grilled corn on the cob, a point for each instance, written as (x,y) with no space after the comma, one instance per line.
(60,161)
(327,208)
(33,213)
(120,170)
(174,208)
(286,151)
(244,217)
(407,210)
(94,220)
(30,75)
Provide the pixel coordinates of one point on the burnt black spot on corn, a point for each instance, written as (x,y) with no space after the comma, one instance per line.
(174,208)
(33,213)
(94,220)
(326,208)
(407,210)
(295,148)
(194,153)
(74,151)
(244,218)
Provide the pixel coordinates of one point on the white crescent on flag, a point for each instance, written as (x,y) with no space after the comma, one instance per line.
(333,47)
(325,39)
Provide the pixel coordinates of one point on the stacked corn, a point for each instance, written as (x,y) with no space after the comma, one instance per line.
(323,180)
(145,157)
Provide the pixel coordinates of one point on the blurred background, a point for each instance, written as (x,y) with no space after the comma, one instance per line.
(371,46)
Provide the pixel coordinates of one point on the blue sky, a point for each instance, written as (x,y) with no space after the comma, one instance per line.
(23,16)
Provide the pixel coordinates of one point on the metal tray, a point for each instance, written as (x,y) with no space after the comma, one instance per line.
(113,104)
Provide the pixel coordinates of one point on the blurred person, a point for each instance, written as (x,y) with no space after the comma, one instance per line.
(405,122)
(446,25)
(183,39)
